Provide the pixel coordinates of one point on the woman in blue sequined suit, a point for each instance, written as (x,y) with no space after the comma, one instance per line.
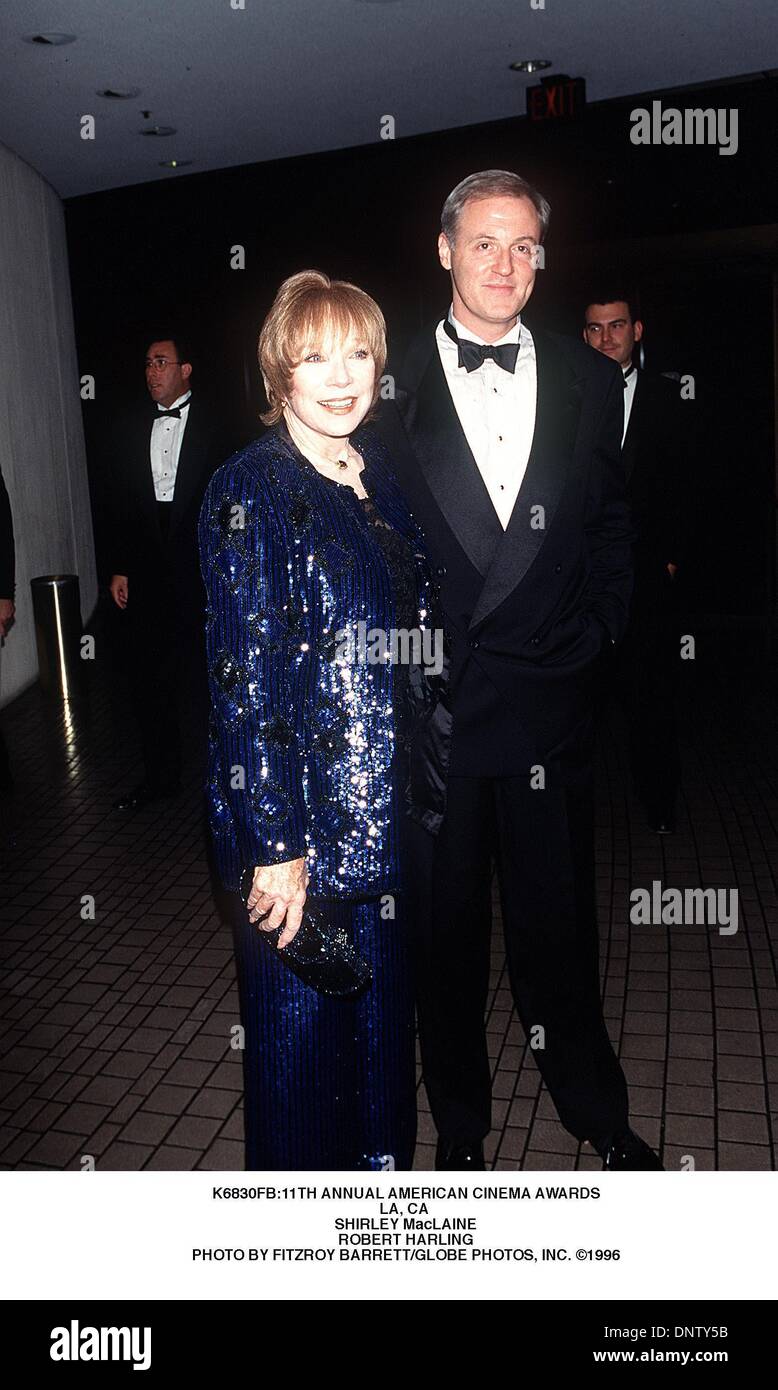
(305,535)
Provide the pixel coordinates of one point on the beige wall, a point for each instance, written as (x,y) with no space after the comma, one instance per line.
(41,438)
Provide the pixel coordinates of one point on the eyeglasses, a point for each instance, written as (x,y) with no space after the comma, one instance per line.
(160,363)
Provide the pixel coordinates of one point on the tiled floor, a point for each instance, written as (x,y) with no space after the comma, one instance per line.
(118,983)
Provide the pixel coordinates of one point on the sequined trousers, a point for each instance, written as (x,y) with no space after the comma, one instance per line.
(329,1083)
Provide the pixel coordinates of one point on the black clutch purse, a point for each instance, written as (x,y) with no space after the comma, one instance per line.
(321,954)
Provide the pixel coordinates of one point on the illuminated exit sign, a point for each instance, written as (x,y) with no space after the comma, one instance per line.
(556,99)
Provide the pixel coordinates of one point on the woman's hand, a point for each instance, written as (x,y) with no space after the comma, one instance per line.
(279,891)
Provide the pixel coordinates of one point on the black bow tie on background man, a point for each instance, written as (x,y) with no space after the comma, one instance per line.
(628,373)
(473,355)
(174,410)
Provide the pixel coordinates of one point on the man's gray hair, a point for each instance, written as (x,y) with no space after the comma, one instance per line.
(491,183)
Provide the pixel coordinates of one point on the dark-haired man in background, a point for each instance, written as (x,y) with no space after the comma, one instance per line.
(163,460)
(647,663)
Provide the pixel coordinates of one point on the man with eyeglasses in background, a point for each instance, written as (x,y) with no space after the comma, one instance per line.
(160,472)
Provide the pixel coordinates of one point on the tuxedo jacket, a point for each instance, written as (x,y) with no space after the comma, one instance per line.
(654,462)
(528,609)
(7,553)
(160,570)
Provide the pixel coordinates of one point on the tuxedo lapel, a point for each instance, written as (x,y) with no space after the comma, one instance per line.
(629,447)
(190,465)
(445,458)
(556,420)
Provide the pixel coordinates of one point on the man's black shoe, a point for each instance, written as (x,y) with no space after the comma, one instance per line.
(145,795)
(625,1149)
(459,1158)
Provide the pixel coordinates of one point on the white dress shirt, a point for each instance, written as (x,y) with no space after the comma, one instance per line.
(165,447)
(629,395)
(496,410)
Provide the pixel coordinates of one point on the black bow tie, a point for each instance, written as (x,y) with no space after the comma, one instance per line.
(473,355)
(628,373)
(174,410)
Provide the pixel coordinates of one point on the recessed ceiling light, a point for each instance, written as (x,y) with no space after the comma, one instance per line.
(158,130)
(119,93)
(173,163)
(49,40)
(531,65)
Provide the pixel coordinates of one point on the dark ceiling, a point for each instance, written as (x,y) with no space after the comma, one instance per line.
(286,77)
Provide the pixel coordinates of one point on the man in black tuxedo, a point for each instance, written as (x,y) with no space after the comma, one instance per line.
(507,442)
(7,607)
(647,662)
(165,457)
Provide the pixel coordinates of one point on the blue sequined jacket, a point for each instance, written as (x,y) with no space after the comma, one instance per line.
(302,738)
